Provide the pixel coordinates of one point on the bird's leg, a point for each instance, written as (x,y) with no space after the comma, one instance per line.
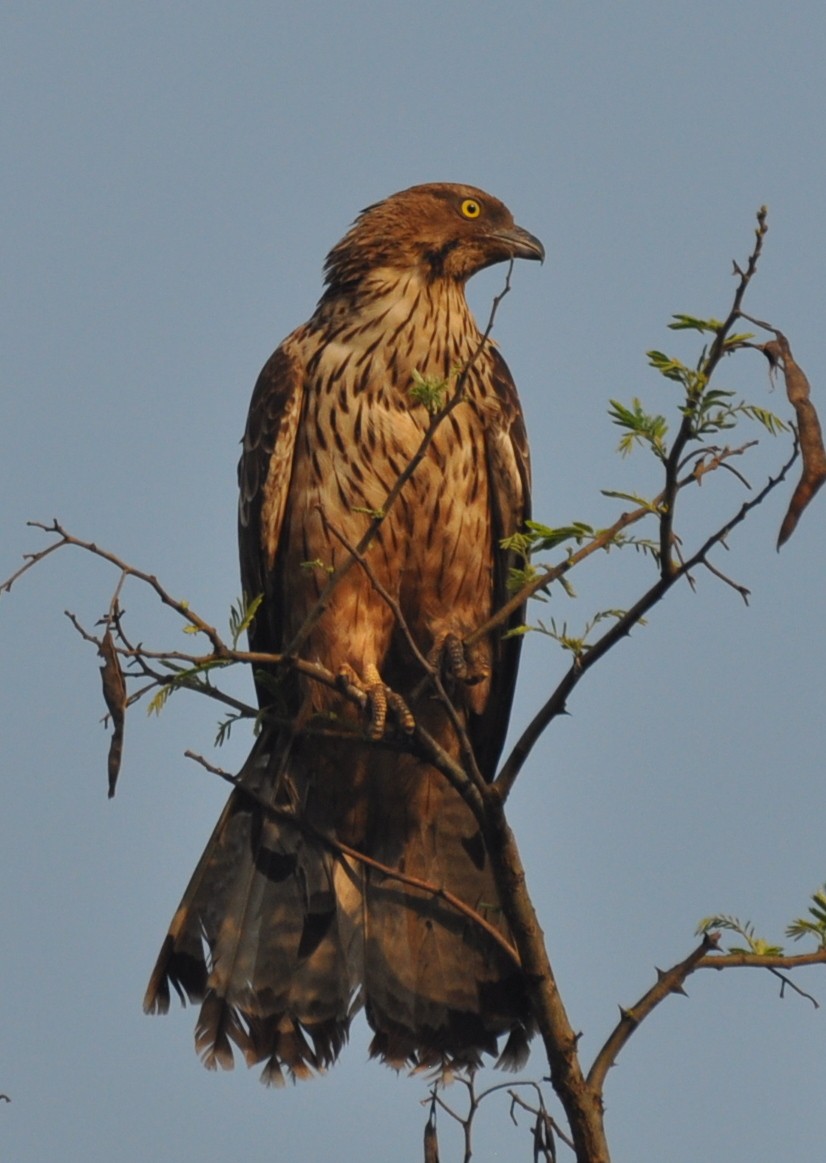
(379,699)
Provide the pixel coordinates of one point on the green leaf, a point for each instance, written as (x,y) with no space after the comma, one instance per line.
(518,631)
(758,946)
(672,369)
(519,578)
(159,700)
(429,391)
(241,616)
(317,563)
(641,427)
(738,338)
(225,727)
(815,928)
(578,644)
(375,514)
(634,498)
(538,538)
(773,424)
(546,538)
(715,396)
(691,323)
(519,543)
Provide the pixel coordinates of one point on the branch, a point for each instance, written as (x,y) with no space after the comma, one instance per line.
(543,1119)
(65,538)
(556,704)
(422,743)
(545,1127)
(581,1102)
(672,981)
(668,982)
(718,349)
(605,538)
(773,961)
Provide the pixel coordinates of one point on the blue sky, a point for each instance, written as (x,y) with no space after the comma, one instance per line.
(173,177)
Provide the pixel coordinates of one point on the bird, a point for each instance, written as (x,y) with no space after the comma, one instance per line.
(293,919)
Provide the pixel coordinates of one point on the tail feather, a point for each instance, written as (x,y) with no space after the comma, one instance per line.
(263,941)
(217,1027)
(281,937)
(440,989)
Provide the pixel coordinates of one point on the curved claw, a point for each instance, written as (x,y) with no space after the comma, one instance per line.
(378,700)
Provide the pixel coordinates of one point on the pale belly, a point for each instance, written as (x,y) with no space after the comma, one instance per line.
(433,552)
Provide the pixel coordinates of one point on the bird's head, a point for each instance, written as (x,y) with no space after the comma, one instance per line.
(444,230)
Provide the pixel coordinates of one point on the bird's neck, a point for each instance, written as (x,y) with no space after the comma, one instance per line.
(427,321)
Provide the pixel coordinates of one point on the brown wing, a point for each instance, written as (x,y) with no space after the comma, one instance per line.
(509,473)
(264,475)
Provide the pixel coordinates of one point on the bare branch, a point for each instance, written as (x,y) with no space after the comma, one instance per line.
(668,982)
(784,981)
(541,1114)
(742,590)
(65,538)
(581,1102)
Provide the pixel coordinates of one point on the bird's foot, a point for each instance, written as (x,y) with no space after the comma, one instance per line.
(377,699)
(450,656)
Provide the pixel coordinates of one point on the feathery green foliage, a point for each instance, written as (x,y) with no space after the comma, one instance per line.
(745,929)
(816,927)
(429,391)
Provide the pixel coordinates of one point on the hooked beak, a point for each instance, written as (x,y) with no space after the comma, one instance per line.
(521,244)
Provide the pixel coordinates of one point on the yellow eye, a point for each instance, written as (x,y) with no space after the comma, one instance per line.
(471,208)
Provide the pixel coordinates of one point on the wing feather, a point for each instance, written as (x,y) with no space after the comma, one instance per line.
(509,475)
(264,475)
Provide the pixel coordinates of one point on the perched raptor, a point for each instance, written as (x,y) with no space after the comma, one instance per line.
(283,931)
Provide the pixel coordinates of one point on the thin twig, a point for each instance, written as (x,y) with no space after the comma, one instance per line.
(180,607)
(709,364)
(784,981)
(604,539)
(556,704)
(542,1113)
(738,587)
